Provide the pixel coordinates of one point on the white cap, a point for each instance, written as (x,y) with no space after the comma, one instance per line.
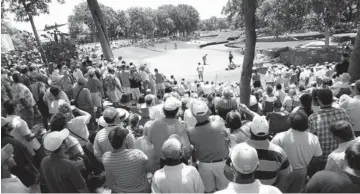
(53,140)
(199,108)
(259,126)
(244,158)
(171,103)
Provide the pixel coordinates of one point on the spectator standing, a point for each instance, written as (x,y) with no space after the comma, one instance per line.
(226,104)
(52,97)
(84,101)
(175,176)
(352,107)
(113,118)
(244,161)
(135,83)
(162,128)
(112,86)
(280,93)
(320,124)
(274,168)
(124,168)
(96,89)
(306,105)
(124,79)
(142,143)
(60,174)
(38,90)
(9,182)
(211,143)
(300,147)
(24,169)
(234,124)
(24,98)
(278,119)
(269,78)
(346,181)
(342,132)
(200,70)
(160,83)
(21,131)
(343,84)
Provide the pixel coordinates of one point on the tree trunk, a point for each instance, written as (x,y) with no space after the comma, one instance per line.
(250,34)
(43,56)
(327,36)
(354,67)
(102,31)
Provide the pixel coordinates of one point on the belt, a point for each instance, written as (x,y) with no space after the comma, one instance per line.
(214,161)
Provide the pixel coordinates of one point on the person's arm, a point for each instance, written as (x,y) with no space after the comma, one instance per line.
(282,181)
(154,186)
(97,149)
(109,179)
(77,180)
(64,97)
(245,109)
(85,114)
(25,131)
(130,141)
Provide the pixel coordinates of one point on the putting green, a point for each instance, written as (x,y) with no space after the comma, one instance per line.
(182,63)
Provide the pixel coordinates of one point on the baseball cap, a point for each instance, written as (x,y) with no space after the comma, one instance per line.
(244,158)
(6,152)
(259,126)
(4,121)
(172,147)
(199,108)
(111,112)
(53,140)
(171,103)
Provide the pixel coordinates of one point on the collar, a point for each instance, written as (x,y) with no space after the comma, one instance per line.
(202,123)
(344,145)
(326,107)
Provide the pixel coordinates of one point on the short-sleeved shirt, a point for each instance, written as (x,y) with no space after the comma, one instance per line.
(320,124)
(78,128)
(127,168)
(94,85)
(272,160)
(332,182)
(186,179)
(102,143)
(300,147)
(210,140)
(61,175)
(255,187)
(20,130)
(144,76)
(336,160)
(159,78)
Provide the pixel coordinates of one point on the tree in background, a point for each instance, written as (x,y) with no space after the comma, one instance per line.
(82,18)
(354,67)
(101,28)
(25,10)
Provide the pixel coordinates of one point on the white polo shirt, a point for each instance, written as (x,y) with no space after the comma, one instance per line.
(177,179)
(255,187)
(300,147)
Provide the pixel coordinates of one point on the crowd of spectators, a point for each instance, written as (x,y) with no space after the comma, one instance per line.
(130,129)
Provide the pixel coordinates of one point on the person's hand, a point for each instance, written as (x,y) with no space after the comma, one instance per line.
(243,107)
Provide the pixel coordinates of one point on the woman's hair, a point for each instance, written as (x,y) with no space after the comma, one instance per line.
(342,130)
(233,120)
(9,107)
(269,89)
(306,102)
(134,120)
(58,122)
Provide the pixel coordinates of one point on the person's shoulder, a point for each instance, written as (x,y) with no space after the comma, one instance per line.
(224,191)
(269,189)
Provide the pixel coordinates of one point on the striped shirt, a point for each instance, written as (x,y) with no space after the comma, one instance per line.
(272,161)
(102,143)
(126,171)
(320,124)
(226,105)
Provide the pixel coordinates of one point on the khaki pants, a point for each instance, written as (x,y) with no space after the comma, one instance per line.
(212,175)
(297,180)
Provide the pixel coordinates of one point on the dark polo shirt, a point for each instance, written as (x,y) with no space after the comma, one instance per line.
(209,139)
(333,182)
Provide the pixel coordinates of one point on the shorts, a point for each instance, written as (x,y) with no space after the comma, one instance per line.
(135,93)
(160,86)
